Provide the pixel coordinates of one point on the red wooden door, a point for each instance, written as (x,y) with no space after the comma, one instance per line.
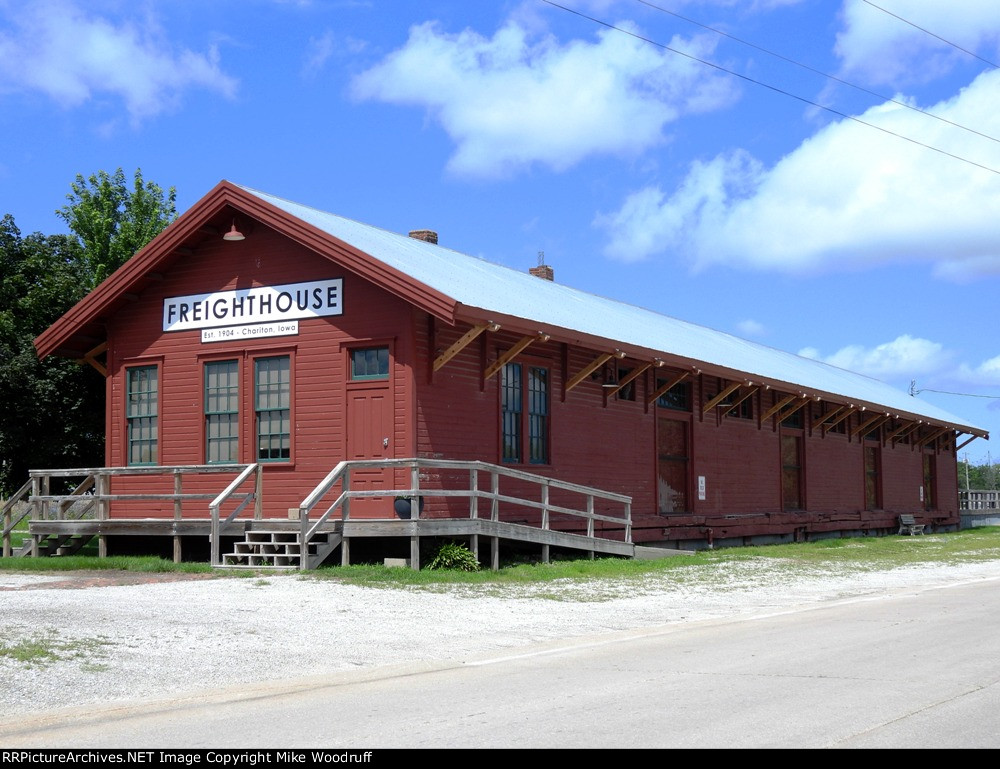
(672,465)
(369,436)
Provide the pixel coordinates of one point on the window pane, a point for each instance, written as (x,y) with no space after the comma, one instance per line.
(370,363)
(627,393)
(538,411)
(510,410)
(677,397)
(141,414)
(273,388)
(222,411)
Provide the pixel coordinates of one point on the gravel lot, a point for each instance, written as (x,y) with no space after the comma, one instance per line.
(173,634)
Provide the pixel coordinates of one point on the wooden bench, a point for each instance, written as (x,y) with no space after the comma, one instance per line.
(908,525)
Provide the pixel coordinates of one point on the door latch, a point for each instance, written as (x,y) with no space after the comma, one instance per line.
(385,443)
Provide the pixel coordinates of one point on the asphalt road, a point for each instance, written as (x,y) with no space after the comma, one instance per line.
(912,670)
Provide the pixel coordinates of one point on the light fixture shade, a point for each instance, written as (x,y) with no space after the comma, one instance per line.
(234,234)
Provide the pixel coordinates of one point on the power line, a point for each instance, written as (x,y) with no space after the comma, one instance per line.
(819,72)
(928,32)
(770,87)
(914,391)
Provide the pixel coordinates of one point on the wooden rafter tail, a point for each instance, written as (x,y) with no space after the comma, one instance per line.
(513,352)
(462,342)
(633,374)
(587,370)
(726,392)
(777,407)
(671,384)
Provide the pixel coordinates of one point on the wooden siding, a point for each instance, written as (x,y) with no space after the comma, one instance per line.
(611,444)
(319,360)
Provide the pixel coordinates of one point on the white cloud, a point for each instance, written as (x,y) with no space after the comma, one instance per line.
(518,99)
(317,52)
(905,356)
(57,48)
(884,49)
(326,46)
(991,368)
(986,374)
(849,197)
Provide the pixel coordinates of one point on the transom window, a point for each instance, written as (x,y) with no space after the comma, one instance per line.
(793,420)
(677,397)
(141,412)
(272,399)
(222,406)
(742,405)
(370,363)
(627,393)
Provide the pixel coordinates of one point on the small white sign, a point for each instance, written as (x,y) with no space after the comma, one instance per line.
(701,488)
(239,333)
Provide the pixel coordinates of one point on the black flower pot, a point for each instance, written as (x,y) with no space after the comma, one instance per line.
(402,507)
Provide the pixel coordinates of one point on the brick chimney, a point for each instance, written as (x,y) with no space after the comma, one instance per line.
(543,271)
(428,236)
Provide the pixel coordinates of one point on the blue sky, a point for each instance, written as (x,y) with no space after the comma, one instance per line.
(822,177)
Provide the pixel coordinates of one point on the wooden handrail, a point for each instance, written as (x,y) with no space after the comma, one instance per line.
(341,474)
(95,491)
(9,521)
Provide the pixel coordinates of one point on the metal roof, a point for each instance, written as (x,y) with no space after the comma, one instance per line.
(477,283)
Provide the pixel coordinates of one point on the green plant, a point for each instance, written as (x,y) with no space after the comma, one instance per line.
(452,555)
(46,648)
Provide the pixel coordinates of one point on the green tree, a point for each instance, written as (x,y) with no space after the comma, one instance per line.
(978,477)
(112,221)
(53,410)
(53,413)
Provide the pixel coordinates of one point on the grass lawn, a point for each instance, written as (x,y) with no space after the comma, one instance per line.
(863,553)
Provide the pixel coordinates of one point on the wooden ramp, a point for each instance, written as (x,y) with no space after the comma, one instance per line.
(502,503)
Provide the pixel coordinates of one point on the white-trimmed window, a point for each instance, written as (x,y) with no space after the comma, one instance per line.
(272,407)
(222,411)
(524,410)
(142,414)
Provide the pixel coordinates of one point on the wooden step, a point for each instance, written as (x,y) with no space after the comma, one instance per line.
(271,550)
